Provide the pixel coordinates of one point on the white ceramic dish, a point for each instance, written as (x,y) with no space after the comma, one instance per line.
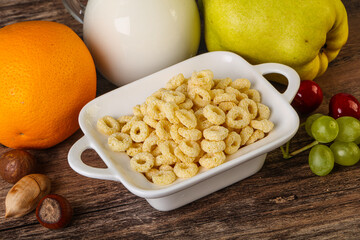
(244,163)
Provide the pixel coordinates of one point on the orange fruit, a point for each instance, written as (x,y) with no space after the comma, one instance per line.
(47,75)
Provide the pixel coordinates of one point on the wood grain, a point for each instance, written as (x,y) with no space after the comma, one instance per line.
(282,201)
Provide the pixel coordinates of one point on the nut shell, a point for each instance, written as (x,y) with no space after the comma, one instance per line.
(16,164)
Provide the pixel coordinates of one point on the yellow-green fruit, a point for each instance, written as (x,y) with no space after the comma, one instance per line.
(305,35)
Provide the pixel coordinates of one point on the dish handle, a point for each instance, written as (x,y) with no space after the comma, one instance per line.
(76,163)
(291,75)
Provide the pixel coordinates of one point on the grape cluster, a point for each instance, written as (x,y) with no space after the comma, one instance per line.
(343,135)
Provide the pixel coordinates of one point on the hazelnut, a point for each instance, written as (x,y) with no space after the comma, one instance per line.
(54,211)
(16,164)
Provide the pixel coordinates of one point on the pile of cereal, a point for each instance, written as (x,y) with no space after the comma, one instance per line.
(191,123)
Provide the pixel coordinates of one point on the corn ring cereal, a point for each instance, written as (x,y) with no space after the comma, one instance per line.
(154,109)
(257,135)
(182,156)
(142,162)
(156,151)
(223,83)
(164,177)
(167,148)
(173,96)
(137,111)
(134,149)
(253,94)
(108,125)
(185,170)
(226,106)
(163,130)
(175,82)
(215,133)
(187,118)
(211,160)
(250,106)
(182,88)
(200,96)
(139,131)
(190,148)
(241,84)
(127,127)
(202,79)
(225,97)
(212,146)
(174,133)
(119,142)
(188,104)
(149,174)
(264,125)
(202,122)
(150,143)
(263,112)
(233,142)
(169,109)
(150,121)
(245,134)
(190,134)
(214,114)
(237,118)
(165,167)
(164,160)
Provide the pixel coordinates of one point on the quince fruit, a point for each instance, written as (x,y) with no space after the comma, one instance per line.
(305,35)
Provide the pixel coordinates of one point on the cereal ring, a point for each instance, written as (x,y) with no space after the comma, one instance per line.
(134,149)
(108,125)
(154,109)
(212,146)
(149,174)
(164,160)
(166,168)
(239,95)
(139,131)
(150,143)
(211,160)
(173,96)
(163,130)
(190,134)
(225,97)
(250,106)
(257,135)
(137,111)
(150,121)
(125,119)
(245,134)
(187,118)
(182,88)
(143,108)
(202,121)
(199,96)
(127,127)
(188,104)
(175,82)
(167,148)
(214,114)
(264,125)
(182,156)
(233,142)
(263,112)
(241,84)
(142,162)
(202,79)
(190,148)
(253,95)
(156,151)
(237,118)
(223,83)
(216,92)
(119,142)
(174,133)
(226,106)
(164,178)
(185,170)
(169,109)
(216,133)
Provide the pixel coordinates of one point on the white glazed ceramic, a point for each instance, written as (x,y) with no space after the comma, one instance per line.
(244,163)
(130,39)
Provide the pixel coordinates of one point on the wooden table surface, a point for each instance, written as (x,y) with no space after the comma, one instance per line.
(284,200)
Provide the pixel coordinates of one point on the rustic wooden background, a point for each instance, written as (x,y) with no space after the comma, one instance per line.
(282,201)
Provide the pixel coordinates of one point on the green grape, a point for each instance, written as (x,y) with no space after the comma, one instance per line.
(345,153)
(349,129)
(357,141)
(324,129)
(309,122)
(321,160)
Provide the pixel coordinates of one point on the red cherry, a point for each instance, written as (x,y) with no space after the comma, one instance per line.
(343,104)
(308,97)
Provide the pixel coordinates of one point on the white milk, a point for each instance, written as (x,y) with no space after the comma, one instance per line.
(130,39)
